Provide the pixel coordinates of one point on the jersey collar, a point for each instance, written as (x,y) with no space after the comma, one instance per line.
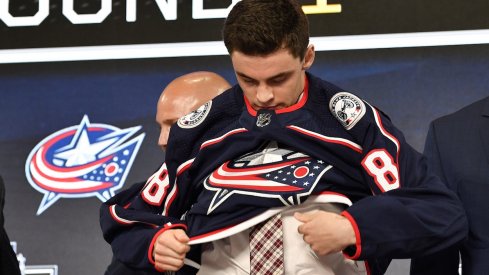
(302,101)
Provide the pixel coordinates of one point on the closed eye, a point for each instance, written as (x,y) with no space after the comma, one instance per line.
(277,81)
(249,81)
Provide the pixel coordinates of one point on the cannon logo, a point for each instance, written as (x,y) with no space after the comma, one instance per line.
(82,161)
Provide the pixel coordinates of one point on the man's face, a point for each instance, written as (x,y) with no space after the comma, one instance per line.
(168,111)
(274,81)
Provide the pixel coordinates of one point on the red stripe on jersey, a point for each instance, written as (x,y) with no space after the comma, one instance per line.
(184,166)
(173,195)
(300,103)
(340,141)
(219,139)
(116,218)
(385,133)
(358,244)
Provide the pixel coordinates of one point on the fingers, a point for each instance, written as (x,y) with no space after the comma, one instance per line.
(325,232)
(170,249)
(176,250)
(163,263)
(181,236)
(172,243)
(182,246)
(305,218)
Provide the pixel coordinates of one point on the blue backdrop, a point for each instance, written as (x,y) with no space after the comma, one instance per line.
(412,85)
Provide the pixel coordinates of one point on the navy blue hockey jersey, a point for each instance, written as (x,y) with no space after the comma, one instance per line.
(227,163)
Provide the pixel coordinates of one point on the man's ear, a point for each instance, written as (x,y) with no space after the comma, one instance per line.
(309,57)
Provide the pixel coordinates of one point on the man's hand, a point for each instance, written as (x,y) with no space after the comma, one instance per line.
(170,249)
(326,232)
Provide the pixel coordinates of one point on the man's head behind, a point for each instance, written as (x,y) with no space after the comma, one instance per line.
(260,27)
(183,95)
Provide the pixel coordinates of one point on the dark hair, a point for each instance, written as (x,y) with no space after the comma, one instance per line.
(260,27)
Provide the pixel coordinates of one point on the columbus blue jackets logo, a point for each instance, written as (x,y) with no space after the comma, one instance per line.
(196,117)
(271,172)
(82,161)
(347,108)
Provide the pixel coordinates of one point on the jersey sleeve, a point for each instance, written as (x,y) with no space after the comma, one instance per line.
(411,212)
(133,218)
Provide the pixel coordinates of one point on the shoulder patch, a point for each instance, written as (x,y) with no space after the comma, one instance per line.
(347,108)
(195,118)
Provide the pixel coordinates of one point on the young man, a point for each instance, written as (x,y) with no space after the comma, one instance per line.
(180,97)
(285,146)
(457,148)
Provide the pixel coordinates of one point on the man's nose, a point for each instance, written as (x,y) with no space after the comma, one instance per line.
(163,139)
(264,94)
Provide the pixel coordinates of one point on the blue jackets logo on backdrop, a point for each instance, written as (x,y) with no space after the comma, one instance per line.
(80,161)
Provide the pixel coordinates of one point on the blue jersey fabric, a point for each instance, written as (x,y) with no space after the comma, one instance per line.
(399,209)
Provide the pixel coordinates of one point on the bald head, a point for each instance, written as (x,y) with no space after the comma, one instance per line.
(183,95)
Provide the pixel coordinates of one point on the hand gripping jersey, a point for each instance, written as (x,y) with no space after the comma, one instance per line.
(227,164)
